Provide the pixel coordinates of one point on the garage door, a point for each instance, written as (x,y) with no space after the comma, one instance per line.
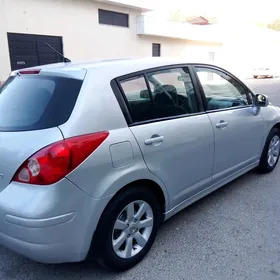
(27,50)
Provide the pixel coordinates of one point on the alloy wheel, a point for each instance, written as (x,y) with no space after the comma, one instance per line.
(273,151)
(132,229)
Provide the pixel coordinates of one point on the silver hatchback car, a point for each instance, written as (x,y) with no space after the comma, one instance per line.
(95,156)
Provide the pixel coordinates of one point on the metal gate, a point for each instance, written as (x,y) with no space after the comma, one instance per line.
(27,50)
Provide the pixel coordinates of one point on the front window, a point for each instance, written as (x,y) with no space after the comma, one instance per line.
(221,90)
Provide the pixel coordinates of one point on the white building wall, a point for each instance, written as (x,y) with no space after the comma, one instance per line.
(83,37)
(4,52)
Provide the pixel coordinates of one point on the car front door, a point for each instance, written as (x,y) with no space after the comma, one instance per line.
(175,137)
(239,133)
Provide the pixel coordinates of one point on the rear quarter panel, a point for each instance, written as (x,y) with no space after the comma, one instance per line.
(101,175)
(97,109)
(17,147)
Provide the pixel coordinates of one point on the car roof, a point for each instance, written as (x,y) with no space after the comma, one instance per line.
(118,67)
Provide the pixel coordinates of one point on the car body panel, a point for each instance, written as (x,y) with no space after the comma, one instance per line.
(49,224)
(271,115)
(17,147)
(236,146)
(210,189)
(98,177)
(94,112)
(184,158)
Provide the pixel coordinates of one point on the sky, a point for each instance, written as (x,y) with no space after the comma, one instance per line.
(237,10)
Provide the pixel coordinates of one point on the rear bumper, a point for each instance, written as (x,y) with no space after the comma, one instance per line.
(51,224)
(44,253)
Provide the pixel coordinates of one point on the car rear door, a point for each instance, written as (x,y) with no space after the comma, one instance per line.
(239,133)
(176,138)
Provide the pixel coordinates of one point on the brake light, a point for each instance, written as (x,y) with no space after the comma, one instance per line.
(29,72)
(55,161)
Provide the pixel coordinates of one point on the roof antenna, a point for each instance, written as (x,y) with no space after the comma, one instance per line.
(65,59)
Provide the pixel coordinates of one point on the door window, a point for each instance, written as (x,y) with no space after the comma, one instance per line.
(221,90)
(138,98)
(170,93)
(173,92)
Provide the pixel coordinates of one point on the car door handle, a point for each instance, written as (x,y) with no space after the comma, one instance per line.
(221,124)
(153,140)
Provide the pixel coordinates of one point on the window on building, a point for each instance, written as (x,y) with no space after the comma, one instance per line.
(113,18)
(156,49)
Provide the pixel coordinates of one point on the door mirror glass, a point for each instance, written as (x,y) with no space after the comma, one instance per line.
(144,94)
(261,100)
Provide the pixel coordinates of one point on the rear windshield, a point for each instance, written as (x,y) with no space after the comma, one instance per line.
(31,102)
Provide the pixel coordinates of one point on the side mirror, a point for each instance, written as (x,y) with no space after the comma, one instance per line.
(261,100)
(144,94)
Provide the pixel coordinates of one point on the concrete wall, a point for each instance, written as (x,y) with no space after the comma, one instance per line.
(83,37)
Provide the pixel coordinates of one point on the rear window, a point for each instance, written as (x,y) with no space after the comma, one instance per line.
(31,102)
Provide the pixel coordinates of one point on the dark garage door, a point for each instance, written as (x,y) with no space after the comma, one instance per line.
(27,50)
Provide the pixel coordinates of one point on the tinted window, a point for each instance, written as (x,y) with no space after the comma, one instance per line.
(221,90)
(173,92)
(36,102)
(170,93)
(137,95)
(113,18)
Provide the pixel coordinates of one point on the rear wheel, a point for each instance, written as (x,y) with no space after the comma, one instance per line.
(271,152)
(127,229)
(255,76)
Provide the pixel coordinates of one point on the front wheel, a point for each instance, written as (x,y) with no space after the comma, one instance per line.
(271,152)
(127,229)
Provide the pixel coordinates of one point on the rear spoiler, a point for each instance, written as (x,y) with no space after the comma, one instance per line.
(75,73)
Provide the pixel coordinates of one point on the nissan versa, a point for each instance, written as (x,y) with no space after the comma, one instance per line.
(95,156)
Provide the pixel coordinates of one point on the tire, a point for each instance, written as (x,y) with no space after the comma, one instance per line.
(255,76)
(266,165)
(105,233)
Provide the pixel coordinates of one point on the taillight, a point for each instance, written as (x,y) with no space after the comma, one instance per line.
(55,161)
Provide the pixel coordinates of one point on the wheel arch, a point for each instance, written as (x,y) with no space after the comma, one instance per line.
(277,125)
(146,183)
(152,186)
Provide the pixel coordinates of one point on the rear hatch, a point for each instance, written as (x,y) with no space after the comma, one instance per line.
(32,106)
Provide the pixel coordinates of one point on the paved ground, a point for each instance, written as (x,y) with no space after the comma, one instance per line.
(232,234)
